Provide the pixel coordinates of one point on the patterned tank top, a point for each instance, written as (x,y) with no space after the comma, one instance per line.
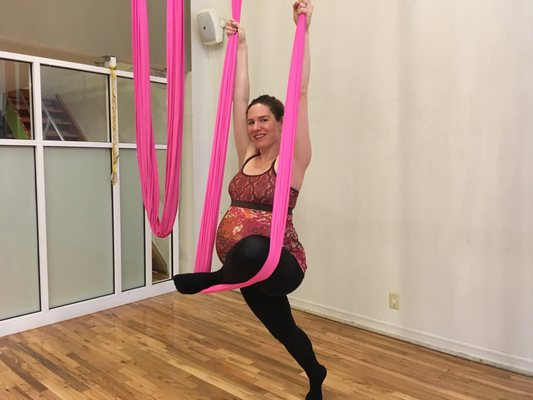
(250,213)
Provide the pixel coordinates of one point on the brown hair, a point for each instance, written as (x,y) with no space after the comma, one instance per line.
(276,107)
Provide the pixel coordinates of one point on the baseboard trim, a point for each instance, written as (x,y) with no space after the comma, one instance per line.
(42,318)
(467,351)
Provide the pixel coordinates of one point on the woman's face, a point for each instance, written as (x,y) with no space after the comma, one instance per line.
(263,128)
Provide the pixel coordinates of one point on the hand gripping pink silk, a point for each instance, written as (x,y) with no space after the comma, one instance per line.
(146,155)
(282,191)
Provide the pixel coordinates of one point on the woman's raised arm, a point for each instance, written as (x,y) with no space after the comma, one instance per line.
(302,144)
(241,94)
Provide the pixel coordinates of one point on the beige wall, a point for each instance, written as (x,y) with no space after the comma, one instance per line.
(422,175)
(78,30)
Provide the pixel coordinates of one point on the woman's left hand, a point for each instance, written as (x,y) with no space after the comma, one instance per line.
(303,7)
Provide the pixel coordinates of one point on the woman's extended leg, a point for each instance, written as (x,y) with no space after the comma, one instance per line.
(267,300)
(275,313)
(243,261)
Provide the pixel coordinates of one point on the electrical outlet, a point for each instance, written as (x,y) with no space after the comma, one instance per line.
(394,301)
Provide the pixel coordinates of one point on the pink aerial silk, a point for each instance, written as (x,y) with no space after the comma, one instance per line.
(283,179)
(208,226)
(146,149)
(146,155)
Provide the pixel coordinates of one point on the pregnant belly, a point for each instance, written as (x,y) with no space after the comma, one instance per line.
(239,223)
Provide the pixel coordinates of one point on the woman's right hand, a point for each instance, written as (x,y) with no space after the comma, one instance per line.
(303,7)
(233,27)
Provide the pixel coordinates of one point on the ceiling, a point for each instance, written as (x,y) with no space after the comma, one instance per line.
(78,30)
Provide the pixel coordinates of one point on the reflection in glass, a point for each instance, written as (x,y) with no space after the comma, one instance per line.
(74,105)
(19,266)
(131,222)
(126,111)
(79,224)
(15,100)
(161,247)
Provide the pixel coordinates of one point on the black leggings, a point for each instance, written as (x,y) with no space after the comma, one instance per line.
(247,257)
(267,299)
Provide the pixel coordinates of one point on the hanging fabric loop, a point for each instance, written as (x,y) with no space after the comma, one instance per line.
(146,154)
(283,179)
(208,225)
(175,90)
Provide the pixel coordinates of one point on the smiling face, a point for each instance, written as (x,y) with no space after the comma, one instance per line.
(263,128)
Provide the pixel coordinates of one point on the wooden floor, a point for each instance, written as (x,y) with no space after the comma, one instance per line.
(210,347)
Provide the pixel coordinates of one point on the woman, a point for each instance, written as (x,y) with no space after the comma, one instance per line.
(242,237)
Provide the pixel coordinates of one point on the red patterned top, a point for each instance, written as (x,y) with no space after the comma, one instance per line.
(251,213)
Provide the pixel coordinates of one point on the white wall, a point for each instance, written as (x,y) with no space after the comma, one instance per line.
(422,175)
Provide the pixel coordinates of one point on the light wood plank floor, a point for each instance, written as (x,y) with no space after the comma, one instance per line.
(210,347)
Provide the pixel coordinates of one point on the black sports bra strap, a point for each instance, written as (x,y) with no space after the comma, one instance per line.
(247,160)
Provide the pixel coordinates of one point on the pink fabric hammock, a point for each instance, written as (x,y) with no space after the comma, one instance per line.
(146,155)
(283,180)
(146,150)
